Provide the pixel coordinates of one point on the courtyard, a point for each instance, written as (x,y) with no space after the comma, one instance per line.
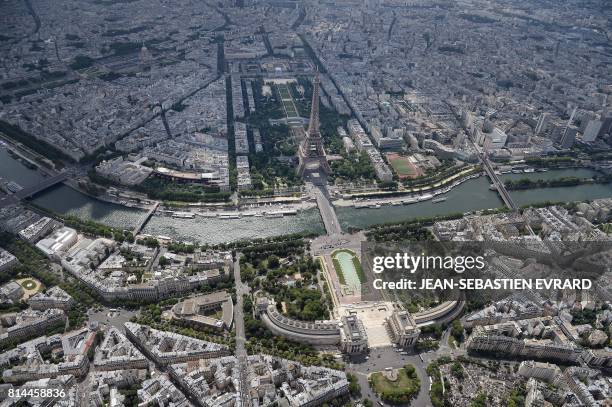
(373,316)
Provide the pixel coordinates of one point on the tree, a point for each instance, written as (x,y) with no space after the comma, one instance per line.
(81,61)
(354,387)
(457,370)
(314,310)
(480,400)
(273,262)
(410,371)
(149,242)
(247,304)
(457,330)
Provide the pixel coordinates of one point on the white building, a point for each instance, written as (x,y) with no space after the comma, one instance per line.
(244,173)
(124,172)
(403,329)
(392,140)
(10,292)
(240,138)
(495,140)
(592,131)
(353,336)
(54,297)
(58,242)
(7,260)
(37,230)
(539,370)
(31,323)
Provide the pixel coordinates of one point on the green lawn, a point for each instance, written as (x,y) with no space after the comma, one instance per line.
(339,271)
(400,391)
(360,273)
(291,112)
(606,228)
(283,90)
(29,284)
(287,101)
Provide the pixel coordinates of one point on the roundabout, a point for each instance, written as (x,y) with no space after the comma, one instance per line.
(396,386)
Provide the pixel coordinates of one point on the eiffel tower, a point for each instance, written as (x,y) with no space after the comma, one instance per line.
(311,153)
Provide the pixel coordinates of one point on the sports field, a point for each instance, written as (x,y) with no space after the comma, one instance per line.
(402,166)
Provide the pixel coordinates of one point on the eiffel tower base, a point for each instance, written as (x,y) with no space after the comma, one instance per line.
(308,163)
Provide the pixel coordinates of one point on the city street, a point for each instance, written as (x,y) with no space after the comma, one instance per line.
(111,316)
(241,353)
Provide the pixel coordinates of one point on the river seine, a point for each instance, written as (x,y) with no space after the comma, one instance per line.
(469,196)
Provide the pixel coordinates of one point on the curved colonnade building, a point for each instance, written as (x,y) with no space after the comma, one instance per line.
(349,332)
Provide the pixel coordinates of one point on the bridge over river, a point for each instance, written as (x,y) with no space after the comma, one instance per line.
(30,191)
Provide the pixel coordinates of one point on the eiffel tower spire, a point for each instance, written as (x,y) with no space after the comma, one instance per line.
(313,125)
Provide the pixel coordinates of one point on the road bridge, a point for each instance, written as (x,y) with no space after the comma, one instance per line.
(497,182)
(328,214)
(41,186)
(13,199)
(145,219)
